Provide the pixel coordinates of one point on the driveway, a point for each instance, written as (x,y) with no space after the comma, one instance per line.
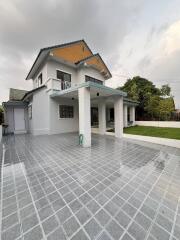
(118,189)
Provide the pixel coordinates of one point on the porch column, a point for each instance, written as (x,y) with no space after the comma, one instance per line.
(85,115)
(132,114)
(102,116)
(118,116)
(125,115)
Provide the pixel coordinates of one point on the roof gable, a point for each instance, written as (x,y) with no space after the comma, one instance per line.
(73,52)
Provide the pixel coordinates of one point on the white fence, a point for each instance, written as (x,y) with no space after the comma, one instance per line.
(159,124)
(0,132)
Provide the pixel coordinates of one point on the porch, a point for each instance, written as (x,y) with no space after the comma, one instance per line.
(88,96)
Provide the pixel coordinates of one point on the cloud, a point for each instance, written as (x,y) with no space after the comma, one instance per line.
(158,61)
(162,64)
(27,26)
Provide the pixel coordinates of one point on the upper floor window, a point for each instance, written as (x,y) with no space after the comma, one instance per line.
(40,79)
(63,76)
(91,79)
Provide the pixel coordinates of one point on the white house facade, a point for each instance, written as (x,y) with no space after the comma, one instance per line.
(68,83)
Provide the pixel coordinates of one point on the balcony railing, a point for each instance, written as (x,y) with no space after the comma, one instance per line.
(57,84)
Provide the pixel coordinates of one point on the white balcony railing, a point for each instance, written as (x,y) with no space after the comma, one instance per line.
(57,84)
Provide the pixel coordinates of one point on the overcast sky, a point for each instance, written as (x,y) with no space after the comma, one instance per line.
(134,37)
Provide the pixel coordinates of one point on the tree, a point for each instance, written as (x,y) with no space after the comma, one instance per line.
(165,90)
(141,90)
(152,106)
(154,103)
(166,107)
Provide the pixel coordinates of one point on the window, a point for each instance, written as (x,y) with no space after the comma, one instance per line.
(40,80)
(66,111)
(63,76)
(30,112)
(91,79)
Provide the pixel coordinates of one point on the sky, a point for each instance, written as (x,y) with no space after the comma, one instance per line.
(134,37)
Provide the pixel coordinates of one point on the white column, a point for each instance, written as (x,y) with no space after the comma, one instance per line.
(132,114)
(125,115)
(85,115)
(118,116)
(102,116)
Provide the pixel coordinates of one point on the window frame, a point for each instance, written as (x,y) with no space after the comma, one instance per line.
(40,80)
(67,115)
(70,74)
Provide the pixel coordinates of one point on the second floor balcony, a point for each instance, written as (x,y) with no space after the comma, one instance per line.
(54,84)
(58,84)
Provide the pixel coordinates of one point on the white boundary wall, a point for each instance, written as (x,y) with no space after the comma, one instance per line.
(162,141)
(159,124)
(0,132)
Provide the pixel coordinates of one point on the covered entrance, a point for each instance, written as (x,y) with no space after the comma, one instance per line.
(94,95)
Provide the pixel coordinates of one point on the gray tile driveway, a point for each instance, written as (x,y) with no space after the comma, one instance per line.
(53,189)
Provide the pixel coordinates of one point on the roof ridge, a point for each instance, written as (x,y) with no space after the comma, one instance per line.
(62,44)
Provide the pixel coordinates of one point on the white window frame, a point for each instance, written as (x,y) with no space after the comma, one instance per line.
(38,81)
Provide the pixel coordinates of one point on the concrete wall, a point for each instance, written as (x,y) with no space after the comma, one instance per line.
(43,70)
(48,70)
(45,115)
(159,124)
(9,119)
(89,71)
(52,66)
(60,125)
(39,124)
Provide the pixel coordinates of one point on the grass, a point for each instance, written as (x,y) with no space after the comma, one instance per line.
(161,132)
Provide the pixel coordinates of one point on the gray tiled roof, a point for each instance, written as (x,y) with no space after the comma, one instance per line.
(16,94)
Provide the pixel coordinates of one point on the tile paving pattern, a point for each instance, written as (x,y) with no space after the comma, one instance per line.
(53,189)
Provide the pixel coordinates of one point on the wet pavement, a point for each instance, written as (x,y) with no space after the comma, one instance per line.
(53,189)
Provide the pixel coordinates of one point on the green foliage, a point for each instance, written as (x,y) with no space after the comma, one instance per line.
(165,90)
(162,132)
(152,101)
(1,115)
(152,106)
(166,107)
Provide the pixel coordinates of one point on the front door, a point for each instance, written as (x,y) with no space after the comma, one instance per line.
(19,121)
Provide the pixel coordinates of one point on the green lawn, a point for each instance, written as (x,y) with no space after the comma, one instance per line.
(162,132)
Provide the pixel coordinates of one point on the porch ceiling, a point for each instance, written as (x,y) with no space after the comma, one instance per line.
(96,91)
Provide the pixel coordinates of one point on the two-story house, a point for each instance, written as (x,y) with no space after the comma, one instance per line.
(68,81)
